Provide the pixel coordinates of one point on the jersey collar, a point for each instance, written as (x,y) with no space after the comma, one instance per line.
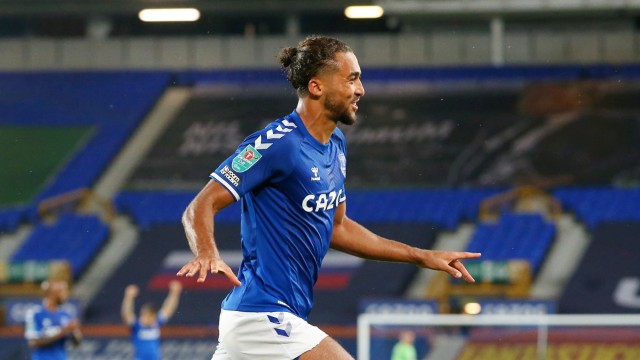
(300,125)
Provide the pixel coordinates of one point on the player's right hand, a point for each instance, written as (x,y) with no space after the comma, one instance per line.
(202,264)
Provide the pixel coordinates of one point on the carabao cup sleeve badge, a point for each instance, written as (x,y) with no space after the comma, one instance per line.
(245,159)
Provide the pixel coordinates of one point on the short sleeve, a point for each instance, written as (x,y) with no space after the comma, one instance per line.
(263,156)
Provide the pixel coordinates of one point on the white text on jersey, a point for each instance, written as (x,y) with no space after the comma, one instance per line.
(323,201)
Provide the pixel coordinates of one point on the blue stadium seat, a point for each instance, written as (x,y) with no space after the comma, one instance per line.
(595,205)
(10,218)
(442,207)
(514,236)
(74,238)
(164,207)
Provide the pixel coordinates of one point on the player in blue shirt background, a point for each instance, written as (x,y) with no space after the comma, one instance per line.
(145,330)
(48,327)
(289,178)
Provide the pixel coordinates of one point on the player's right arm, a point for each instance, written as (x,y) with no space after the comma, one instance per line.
(263,156)
(198,226)
(126,310)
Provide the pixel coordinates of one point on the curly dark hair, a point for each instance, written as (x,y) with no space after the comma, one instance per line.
(312,56)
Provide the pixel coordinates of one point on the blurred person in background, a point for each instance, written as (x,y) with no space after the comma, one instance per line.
(290,178)
(145,330)
(404,349)
(48,327)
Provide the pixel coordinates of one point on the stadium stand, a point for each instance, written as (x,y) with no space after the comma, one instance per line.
(595,205)
(452,81)
(413,214)
(75,238)
(514,236)
(10,218)
(113,103)
(443,207)
(167,206)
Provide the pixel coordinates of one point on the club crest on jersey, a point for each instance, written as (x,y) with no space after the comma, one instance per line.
(246,159)
(343,164)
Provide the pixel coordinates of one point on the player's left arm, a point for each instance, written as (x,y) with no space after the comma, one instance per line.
(170,304)
(352,238)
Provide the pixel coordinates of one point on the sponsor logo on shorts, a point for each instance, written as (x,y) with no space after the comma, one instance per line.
(230,175)
(246,159)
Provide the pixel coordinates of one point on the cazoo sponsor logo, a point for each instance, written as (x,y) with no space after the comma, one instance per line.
(322,202)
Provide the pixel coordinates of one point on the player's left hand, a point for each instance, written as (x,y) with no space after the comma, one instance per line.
(448,261)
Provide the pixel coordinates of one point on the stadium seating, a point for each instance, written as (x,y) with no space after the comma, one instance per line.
(595,205)
(113,103)
(164,207)
(514,236)
(10,218)
(75,238)
(442,207)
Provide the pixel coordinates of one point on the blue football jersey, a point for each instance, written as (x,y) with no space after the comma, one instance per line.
(146,340)
(289,185)
(42,323)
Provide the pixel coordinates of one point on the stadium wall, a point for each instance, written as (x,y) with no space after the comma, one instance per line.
(432,48)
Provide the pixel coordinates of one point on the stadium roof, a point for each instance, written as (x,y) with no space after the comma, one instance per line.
(396,7)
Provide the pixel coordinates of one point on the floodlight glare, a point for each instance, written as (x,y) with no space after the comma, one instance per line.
(472,308)
(160,15)
(363,12)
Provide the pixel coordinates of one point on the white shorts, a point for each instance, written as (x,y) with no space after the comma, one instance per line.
(262,335)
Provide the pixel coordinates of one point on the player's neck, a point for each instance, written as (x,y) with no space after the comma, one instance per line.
(315,119)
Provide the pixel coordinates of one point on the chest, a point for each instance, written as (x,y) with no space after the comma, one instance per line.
(50,323)
(146,333)
(317,179)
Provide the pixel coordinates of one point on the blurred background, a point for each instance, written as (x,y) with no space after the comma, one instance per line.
(510,127)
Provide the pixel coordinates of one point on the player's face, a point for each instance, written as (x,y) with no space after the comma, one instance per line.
(147,318)
(58,292)
(344,89)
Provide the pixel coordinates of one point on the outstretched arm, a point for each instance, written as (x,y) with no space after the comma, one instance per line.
(126,310)
(350,237)
(198,227)
(171,302)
